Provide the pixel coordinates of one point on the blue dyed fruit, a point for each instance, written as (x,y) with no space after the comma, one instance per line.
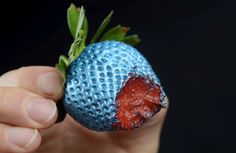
(96,77)
(109,85)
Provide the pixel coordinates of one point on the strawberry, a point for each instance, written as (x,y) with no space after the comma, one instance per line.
(137,101)
(109,85)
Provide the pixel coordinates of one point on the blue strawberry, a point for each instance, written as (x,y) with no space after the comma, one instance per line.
(109,85)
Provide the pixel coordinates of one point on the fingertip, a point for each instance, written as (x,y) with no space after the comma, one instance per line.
(50,83)
(34,142)
(158,118)
(167,102)
(46,81)
(21,140)
(42,111)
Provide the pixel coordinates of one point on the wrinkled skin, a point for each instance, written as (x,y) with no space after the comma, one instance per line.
(67,136)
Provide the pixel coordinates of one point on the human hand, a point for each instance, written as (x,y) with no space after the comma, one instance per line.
(43,86)
(27,104)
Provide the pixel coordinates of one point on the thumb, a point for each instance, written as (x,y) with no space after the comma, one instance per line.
(143,139)
(146,137)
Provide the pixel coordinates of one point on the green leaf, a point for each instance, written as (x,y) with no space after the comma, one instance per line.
(101,27)
(72,19)
(80,22)
(62,65)
(79,47)
(117,33)
(85,29)
(80,35)
(132,40)
(73,49)
(78,26)
(76,20)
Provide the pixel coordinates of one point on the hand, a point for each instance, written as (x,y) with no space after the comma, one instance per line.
(28,113)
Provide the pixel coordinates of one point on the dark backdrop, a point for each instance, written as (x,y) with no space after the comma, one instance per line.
(190,43)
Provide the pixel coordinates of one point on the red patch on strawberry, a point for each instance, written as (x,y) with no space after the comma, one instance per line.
(137,101)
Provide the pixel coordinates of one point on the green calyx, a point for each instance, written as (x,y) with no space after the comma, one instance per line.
(78,25)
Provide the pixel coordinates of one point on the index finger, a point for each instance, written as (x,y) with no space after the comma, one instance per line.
(43,80)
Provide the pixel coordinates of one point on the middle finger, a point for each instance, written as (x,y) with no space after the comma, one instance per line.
(23,108)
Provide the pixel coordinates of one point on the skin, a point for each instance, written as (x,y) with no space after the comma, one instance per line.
(39,133)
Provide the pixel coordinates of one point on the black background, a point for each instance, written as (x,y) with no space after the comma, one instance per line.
(190,43)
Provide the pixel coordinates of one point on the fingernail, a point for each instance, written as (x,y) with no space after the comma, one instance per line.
(41,110)
(21,137)
(50,83)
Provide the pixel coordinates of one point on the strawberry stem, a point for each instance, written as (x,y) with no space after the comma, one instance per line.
(78,26)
